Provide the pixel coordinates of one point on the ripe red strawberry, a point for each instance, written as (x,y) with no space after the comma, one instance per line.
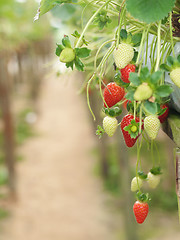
(163,116)
(140,210)
(113,94)
(126,71)
(126,121)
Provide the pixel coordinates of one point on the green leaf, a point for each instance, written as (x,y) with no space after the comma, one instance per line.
(178,58)
(134,79)
(66,42)
(59,49)
(135,56)
(150,107)
(79,65)
(144,74)
(118,80)
(136,39)
(164,90)
(149,10)
(170,60)
(123,34)
(155,77)
(130,95)
(82,52)
(70,64)
(76,34)
(165,67)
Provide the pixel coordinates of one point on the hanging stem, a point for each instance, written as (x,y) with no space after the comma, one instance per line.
(141,46)
(158,46)
(90,21)
(171,33)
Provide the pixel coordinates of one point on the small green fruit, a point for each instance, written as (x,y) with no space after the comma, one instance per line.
(110,125)
(143,92)
(67,55)
(175,76)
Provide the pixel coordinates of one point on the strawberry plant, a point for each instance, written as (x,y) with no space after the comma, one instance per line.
(133,42)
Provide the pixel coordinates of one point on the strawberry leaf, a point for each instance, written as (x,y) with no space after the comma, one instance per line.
(165,67)
(118,80)
(149,11)
(70,64)
(144,74)
(136,39)
(150,107)
(170,60)
(123,34)
(82,52)
(130,95)
(178,58)
(164,90)
(155,77)
(134,79)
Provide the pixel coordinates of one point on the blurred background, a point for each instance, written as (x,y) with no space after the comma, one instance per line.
(58,181)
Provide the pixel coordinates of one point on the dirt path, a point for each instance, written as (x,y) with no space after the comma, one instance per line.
(59,198)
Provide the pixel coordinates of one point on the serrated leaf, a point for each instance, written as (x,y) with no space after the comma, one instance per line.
(79,65)
(164,90)
(82,52)
(134,79)
(123,34)
(149,10)
(155,77)
(150,107)
(136,39)
(59,49)
(144,74)
(165,67)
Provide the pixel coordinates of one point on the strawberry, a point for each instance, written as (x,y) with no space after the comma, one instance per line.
(123,55)
(175,76)
(113,94)
(67,55)
(130,129)
(153,180)
(164,116)
(152,126)
(126,71)
(140,210)
(134,184)
(143,92)
(110,125)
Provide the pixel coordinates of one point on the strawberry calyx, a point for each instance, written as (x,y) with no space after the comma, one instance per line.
(142,197)
(156,171)
(133,128)
(119,81)
(114,111)
(172,63)
(100,131)
(142,175)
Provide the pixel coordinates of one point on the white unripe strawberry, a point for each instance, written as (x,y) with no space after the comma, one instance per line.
(134,184)
(152,126)
(153,180)
(175,76)
(143,92)
(123,55)
(110,125)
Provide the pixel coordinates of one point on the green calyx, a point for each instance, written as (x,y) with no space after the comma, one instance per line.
(100,131)
(128,38)
(67,55)
(142,175)
(156,171)
(133,129)
(113,111)
(142,197)
(172,63)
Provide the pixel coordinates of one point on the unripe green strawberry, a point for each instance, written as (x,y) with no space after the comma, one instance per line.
(110,125)
(175,76)
(152,126)
(153,180)
(67,55)
(134,184)
(143,92)
(123,55)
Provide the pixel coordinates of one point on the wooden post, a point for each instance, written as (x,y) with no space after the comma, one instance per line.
(8,124)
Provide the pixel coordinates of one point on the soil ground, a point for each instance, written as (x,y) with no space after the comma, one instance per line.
(58,196)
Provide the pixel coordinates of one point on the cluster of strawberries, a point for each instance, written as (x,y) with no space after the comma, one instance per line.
(131,124)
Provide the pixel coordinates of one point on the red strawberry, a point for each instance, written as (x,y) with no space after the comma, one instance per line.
(126,121)
(126,71)
(163,116)
(140,210)
(113,94)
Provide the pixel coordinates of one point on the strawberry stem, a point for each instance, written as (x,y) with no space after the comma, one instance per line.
(140,119)
(152,153)
(171,33)
(141,46)
(137,163)
(121,16)
(134,109)
(158,46)
(87,94)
